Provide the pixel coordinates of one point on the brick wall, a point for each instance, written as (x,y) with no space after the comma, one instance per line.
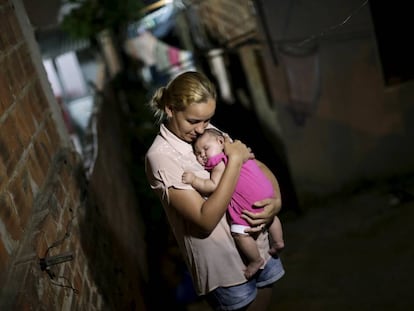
(228,21)
(46,206)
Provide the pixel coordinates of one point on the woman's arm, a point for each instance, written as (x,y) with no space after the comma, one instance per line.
(206,213)
(271,206)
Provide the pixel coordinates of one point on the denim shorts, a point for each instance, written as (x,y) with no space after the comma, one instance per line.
(239,296)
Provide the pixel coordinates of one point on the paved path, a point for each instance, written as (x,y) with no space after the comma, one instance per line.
(354,253)
(350,254)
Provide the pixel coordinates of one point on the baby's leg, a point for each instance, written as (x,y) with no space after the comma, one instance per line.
(276,235)
(247,245)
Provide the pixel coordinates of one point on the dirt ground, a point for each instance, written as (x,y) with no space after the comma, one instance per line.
(349,253)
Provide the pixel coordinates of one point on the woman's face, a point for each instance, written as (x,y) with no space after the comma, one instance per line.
(191,122)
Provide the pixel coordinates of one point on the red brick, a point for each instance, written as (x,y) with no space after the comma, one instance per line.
(48,228)
(4,151)
(16,77)
(53,137)
(4,26)
(24,132)
(23,197)
(4,264)
(22,302)
(42,154)
(3,42)
(78,280)
(31,106)
(13,147)
(50,146)
(94,297)
(6,98)
(3,175)
(40,244)
(12,78)
(27,292)
(15,28)
(10,217)
(66,171)
(25,106)
(27,62)
(36,171)
(4,83)
(59,193)
(40,95)
(10,18)
(20,54)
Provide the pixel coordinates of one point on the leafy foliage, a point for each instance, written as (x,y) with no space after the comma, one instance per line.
(89,17)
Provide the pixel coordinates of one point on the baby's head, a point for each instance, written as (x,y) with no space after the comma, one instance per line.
(208,144)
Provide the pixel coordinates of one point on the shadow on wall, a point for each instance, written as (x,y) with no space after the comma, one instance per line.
(166,269)
(112,232)
(242,123)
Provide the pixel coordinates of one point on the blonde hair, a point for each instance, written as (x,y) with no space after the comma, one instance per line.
(187,88)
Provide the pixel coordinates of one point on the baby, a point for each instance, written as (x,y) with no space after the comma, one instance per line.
(252,186)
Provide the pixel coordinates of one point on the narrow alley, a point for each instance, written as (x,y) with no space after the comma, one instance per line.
(350,252)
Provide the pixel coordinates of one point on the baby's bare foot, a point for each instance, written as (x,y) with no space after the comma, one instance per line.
(252,268)
(276,248)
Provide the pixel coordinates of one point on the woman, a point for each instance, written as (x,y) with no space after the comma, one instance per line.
(184,108)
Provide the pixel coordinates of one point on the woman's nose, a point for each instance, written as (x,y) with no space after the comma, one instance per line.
(200,129)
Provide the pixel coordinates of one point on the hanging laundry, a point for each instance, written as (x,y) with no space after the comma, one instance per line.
(166,59)
(142,47)
(219,70)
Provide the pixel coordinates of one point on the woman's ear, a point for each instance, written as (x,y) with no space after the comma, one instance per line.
(169,112)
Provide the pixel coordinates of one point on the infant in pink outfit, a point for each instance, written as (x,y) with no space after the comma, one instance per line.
(252,186)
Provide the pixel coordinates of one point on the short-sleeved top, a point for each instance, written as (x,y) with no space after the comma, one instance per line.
(212,260)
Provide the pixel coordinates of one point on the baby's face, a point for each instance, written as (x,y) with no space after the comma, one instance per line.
(206,147)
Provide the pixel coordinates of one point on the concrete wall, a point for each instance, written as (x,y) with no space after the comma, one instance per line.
(358,129)
(316,84)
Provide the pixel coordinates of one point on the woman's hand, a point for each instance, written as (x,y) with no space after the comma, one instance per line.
(237,150)
(258,221)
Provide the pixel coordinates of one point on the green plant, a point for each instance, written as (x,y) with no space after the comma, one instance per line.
(89,17)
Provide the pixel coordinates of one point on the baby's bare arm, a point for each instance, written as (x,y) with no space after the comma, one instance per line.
(205,185)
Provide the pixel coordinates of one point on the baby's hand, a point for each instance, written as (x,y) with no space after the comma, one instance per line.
(187,177)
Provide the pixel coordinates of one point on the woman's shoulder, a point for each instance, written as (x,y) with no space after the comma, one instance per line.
(160,147)
(159,152)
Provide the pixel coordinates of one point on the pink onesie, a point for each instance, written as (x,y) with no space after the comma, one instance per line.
(252,186)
